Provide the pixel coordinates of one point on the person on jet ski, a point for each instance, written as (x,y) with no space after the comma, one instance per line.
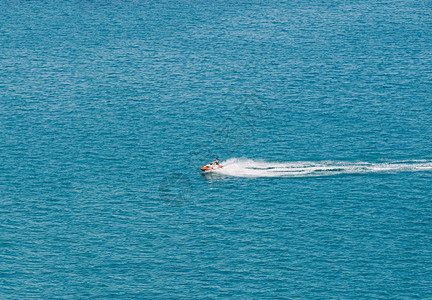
(216,162)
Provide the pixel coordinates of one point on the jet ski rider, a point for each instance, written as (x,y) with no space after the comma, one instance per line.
(216,162)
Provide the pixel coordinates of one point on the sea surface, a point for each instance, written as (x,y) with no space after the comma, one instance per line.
(320,112)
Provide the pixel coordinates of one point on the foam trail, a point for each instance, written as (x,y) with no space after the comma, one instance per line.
(240,167)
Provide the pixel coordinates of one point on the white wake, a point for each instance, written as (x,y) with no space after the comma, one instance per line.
(241,167)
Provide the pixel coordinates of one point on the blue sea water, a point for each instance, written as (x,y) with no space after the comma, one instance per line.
(320,111)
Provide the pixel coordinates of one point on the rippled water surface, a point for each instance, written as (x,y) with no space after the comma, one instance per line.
(320,111)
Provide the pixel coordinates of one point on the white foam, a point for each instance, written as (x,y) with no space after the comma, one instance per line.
(241,167)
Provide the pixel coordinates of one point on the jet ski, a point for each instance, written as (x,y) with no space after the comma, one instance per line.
(210,167)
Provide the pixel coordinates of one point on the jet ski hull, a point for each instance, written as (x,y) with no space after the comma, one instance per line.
(209,168)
